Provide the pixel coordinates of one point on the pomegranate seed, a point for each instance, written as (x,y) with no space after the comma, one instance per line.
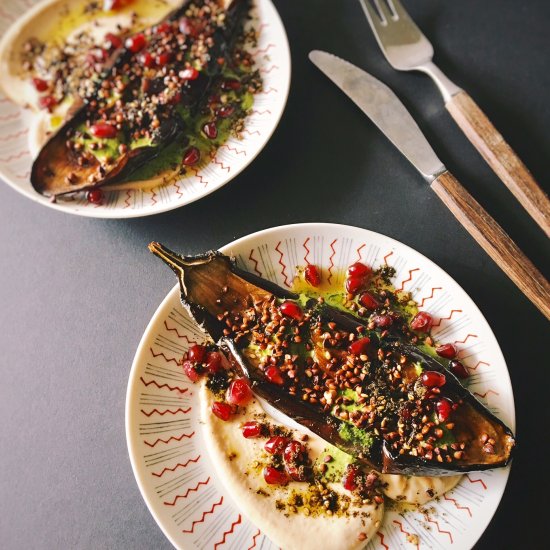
(422,322)
(147,59)
(210,130)
(103,130)
(273,374)
(226,111)
(276,445)
(294,452)
(136,43)
(164,27)
(47,102)
(190,372)
(273,476)
(163,59)
(95,196)
(239,392)
(358,270)
(196,353)
(444,407)
(359,347)
(214,361)
(231,84)
(354,284)
(295,457)
(292,310)
(368,300)
(312,275)
(446,350)
(39,84)
(382,321)
(458,369)
(433,379)
(189,74)
(222,410)
(113,41)
(191,156)
(252,429)
(349,480)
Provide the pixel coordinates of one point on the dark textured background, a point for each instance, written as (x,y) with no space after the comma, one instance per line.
(76,293)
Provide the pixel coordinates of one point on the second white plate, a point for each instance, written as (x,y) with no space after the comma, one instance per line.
(272,55)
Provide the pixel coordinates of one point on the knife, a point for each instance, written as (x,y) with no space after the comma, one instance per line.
(387,112)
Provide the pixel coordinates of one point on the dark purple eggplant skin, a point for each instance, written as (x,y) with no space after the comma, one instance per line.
(204,277)
(55,166)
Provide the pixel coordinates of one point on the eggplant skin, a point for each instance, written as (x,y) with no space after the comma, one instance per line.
(211,283)
(58,170)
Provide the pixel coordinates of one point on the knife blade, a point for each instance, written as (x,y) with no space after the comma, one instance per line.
(387,112)
(384,108)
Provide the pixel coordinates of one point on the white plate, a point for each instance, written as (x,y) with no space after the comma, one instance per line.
(272,56)
(172,468)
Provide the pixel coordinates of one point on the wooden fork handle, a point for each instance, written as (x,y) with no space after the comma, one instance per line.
(500,157)
(492,238)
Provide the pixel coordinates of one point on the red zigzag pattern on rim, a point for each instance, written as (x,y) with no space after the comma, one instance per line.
(466,339)
(182,436)
(387,256)
(11,116)
(430,296)
(193,489)
(229,532)
(476,481)
(204,514)
(359,256)
(184,336)
(264,50)
(441,319)
(478,364)
(484,395)
(281,263)
(127,199)
(171,388)
(406,533)
(15,156)
(161,354)
(307,251)
(14,136)
(436,523)
(178,465)
(167,411)
(411,271)
(331,259)
(251,258)
(458,507)
(254,541)
(381,535)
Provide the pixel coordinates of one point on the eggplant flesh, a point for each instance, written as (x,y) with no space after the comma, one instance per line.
(215,290)
(59,170)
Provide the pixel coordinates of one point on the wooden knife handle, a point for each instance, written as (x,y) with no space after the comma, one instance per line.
(492,238)
(500,157)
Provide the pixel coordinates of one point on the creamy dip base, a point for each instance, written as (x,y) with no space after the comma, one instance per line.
(239,463)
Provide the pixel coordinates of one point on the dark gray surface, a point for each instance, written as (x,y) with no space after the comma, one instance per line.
(76,294)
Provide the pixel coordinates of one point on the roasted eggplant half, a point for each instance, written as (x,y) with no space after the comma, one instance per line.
(372,394)
(144,100)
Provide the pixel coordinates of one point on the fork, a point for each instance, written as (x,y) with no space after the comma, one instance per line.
(407,49)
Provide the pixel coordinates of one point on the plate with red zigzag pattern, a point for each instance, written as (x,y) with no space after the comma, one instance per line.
(168,455)
(272,55)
